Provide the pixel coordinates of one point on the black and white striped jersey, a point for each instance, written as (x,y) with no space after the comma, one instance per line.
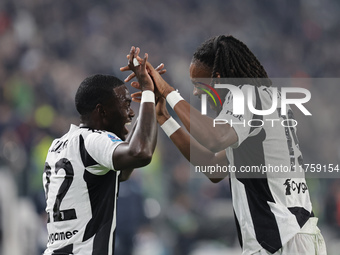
(81,188)
(270,195)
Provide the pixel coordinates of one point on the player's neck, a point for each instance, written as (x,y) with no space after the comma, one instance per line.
(88,123)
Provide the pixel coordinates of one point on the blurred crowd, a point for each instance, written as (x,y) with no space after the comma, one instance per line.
(48,47)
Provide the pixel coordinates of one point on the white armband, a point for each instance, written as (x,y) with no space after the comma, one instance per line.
(170,126)
(173,98)
(148,96)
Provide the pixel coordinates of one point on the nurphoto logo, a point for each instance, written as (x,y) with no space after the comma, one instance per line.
(242,98)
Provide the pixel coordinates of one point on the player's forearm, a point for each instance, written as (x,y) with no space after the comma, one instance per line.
(138,151)
(192,150)
(128,138)
(143,141)
(126,173)
(202,128)
(198,155)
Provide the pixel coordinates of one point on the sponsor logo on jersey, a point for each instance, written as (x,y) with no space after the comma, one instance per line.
(60,236)
(292,186)
(114,138)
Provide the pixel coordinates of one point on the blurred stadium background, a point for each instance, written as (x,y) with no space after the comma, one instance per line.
(48,47)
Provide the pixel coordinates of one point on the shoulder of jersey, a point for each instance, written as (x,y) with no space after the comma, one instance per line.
(110,135)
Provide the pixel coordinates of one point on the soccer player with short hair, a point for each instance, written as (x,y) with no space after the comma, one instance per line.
(273,215)
(84,167)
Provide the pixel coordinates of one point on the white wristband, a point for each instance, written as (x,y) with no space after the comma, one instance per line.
(170,126)
(173,98)
(148,96)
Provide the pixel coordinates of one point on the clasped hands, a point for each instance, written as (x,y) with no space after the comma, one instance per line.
(161,87)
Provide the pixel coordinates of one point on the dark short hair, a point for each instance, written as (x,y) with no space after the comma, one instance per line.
(95,89)
(231,58)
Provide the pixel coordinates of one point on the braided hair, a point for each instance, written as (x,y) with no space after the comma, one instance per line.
(231,58)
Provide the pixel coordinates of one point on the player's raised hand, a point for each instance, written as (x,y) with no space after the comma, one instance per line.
(139,68)
(160,69)
(162,86)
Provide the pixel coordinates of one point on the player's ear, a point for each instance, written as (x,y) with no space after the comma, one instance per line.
(100,110)
(217,77)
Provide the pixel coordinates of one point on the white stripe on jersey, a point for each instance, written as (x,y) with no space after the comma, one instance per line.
(81,188)
(270,208)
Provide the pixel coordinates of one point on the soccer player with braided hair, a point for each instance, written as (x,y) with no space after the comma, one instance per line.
(273,213)
(230,57)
